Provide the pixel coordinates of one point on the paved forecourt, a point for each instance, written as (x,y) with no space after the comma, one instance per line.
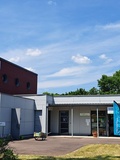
(57,145)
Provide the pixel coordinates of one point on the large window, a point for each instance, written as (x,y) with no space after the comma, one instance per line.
(101,122)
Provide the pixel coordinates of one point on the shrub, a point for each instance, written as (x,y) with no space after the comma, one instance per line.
(5,152)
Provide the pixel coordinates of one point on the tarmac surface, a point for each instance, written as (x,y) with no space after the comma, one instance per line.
(57,145)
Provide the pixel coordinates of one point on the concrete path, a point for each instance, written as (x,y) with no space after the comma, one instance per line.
(57,145)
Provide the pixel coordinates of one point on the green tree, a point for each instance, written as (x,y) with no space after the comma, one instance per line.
(81,91)
(93,91)
(116,82)
(110,84)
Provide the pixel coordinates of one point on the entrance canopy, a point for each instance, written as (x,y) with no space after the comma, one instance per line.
(86,100)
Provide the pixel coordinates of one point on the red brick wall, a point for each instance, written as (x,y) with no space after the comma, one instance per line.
(13,71)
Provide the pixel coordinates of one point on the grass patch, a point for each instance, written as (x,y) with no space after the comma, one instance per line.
(96,150)
(89,152)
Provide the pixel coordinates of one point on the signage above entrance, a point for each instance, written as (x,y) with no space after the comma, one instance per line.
(110,110)
(2,124)
(84,114)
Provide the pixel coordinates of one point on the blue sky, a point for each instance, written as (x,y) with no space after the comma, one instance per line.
(70,44)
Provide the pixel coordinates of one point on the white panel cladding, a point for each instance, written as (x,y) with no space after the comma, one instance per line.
(27,113)
(6,129)
(6,114)
(55,120)
(76,120)
(19,103)
(7,101)
(27,128)
(71,115)
(38,120)
(80,123)
(86,99)
(16,102)
(40,101)
(30,104)
(50,100)
(41,104)
(85,121)
(24,103)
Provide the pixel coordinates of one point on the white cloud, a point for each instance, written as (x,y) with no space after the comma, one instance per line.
(74,76)
(56,83)
(30,69)
(70,72)
(111,26)
(66,72)
(33,52)
(81,59)
(105,58)
(16,59)
(59,83)
(51,2)
(85,76)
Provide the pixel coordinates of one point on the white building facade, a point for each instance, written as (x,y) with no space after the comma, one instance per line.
(17,113)
(76,115)
(61,115)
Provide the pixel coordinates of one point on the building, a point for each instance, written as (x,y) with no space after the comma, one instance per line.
(16,80)
(77,115)
(61,115)
(16,116)
(24,112)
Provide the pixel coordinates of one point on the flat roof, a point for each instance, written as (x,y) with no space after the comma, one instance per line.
(81,104)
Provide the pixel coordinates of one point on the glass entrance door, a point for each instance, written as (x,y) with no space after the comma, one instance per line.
(101,123)
(64,122)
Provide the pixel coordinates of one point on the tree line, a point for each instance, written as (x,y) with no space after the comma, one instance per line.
(106,85)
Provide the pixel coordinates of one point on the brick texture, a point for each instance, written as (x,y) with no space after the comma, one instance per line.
(16,80)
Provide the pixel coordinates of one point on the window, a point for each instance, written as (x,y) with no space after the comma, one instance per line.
(17,82)
(4,78)
(28,85)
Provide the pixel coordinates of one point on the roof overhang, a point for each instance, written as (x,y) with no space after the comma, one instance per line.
(80,104)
